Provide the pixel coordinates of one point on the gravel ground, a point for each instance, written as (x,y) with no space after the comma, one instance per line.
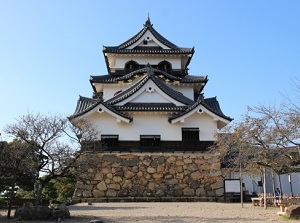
(170,213)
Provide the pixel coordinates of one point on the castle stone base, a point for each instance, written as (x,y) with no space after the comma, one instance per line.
(150,177)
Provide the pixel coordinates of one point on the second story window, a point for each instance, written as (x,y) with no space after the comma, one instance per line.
(131,65)
(165,66)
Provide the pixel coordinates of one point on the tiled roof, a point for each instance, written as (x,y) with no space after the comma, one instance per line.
(177,95)
(150,75)
(85,104)
(148,26)
(213,105)
(127,93)
(114,79)
(146,50)
(194,79)
(157,50)
(210,103)
(157,72)
(151,107)
(111,108)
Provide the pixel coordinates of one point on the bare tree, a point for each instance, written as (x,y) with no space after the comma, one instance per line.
(266,138)
(48,137)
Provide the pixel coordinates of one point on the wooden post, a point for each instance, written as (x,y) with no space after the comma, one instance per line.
(241,186)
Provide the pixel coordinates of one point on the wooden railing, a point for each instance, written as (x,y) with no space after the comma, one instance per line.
(272,199)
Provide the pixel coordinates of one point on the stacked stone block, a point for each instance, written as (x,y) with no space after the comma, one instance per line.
(151,175)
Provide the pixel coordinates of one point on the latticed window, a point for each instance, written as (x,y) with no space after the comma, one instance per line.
(191,134)
(150,140)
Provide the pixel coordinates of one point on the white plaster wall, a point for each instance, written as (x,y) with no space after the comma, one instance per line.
(110,90)
(153,97)
(151,123)
(186,89)
(250,181)
(286,185)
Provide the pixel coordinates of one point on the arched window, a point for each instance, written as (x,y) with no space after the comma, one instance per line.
(165,66)
(131,65)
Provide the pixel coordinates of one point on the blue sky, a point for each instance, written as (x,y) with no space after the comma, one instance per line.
(249,49)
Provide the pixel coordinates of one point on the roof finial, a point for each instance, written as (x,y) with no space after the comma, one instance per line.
(148,23)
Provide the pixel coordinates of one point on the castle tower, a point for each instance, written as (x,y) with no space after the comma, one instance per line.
(148,106)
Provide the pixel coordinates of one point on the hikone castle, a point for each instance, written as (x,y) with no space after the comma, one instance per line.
(153,122)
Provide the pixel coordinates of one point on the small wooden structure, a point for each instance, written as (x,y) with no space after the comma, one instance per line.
(257,201)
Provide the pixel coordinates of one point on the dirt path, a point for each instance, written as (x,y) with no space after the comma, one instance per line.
(170,213)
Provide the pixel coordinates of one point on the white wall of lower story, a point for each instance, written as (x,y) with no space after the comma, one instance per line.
(251,182)
(288,186)
(151,123)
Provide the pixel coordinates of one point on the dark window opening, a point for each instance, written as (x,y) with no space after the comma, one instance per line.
(110,140)
(150,140)
(191,134)
(165,66)
(131,65)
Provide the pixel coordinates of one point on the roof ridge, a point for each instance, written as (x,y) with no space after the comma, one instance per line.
(128,92)
(148,26)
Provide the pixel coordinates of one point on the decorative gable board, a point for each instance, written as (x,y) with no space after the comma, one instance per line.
(150,93)
(151,41)
(200,109)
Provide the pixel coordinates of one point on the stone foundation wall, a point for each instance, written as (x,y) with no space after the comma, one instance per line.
(150,175)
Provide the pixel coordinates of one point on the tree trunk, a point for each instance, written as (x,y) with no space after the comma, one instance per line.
(12,194)
(241,186)
(280,186)
(273,187)
(38,192)
(265,188)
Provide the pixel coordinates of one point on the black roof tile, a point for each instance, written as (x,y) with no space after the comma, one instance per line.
(157,72)
(143,49)
(150,75)
(151,107)
(85,105)
(210,103)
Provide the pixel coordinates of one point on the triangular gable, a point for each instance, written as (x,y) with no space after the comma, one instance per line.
(111,111)
(99,107)
(148,40)
(140,36)
(199,108)
(150,93)
(150,84)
